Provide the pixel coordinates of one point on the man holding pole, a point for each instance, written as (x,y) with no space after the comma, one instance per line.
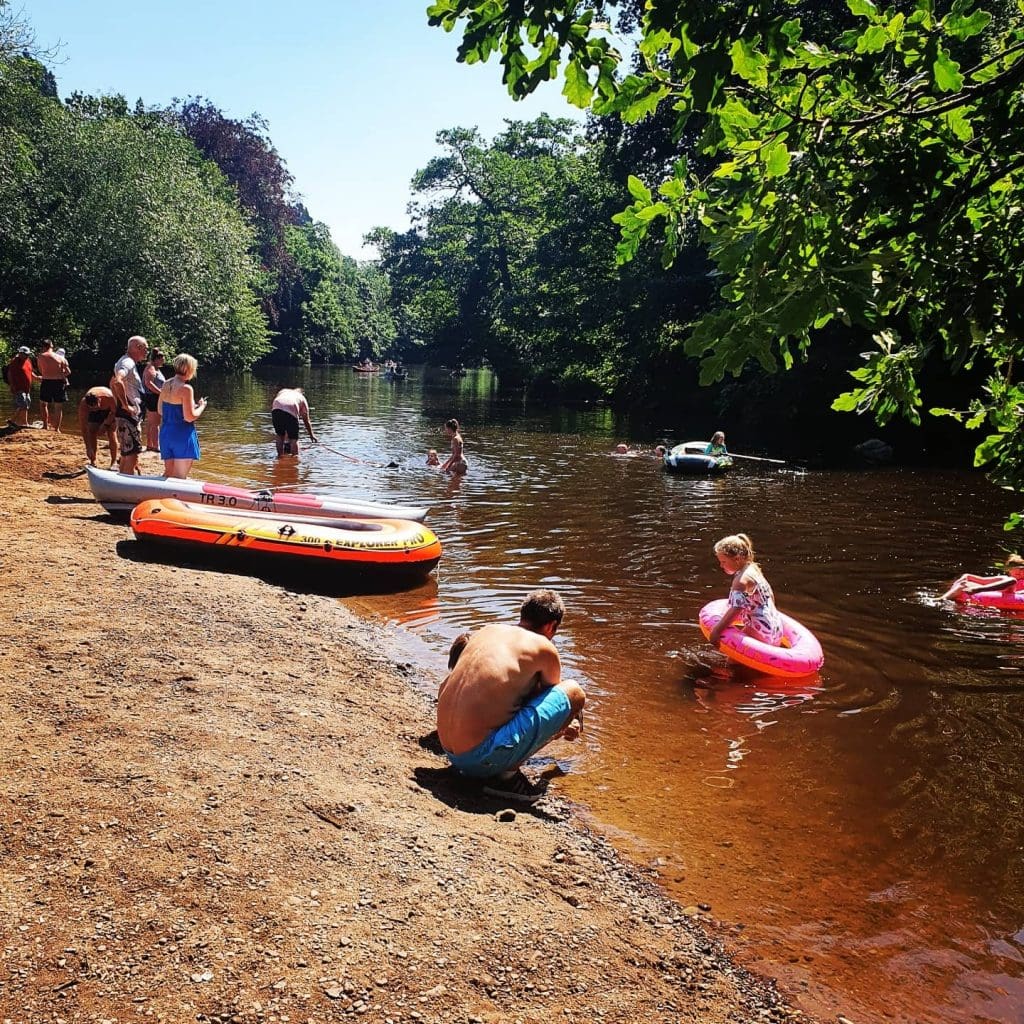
(289,407)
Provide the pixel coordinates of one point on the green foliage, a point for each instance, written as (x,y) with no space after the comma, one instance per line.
(864,168)
(176,224)
(116,226)
(503,262)
(315,317)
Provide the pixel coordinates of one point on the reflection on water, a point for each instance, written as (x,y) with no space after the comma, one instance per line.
(865,825)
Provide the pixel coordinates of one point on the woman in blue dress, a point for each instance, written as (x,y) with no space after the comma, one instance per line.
(179,410)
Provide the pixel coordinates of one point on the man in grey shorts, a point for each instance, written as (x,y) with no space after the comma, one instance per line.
(126,384)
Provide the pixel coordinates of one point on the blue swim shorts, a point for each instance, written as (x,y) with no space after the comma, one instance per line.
(540,718)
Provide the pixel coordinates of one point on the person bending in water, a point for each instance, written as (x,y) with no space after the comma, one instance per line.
(456,462)
(289,406)
(716,446)
(969,583)
(750,597)
(505,698)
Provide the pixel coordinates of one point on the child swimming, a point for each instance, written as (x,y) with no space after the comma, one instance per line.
(969,583)
(750,597)
(432,459)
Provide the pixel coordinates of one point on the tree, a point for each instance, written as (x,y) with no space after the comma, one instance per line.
(871,174)
(318,307)
(503,264)
(116,225)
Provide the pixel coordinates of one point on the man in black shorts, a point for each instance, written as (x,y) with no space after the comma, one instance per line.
(289,406)
(53,389)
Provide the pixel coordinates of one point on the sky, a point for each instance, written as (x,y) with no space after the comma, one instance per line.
(354,91)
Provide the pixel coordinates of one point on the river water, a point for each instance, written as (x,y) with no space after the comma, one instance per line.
(859,835)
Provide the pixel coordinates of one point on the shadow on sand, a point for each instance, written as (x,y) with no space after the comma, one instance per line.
(328,580)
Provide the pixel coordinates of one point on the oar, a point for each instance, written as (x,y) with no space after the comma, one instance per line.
(757,458)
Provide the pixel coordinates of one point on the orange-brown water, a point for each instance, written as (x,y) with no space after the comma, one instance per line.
(861,834)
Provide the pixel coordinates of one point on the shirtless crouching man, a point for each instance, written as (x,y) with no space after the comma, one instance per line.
(96,413)
(504,699)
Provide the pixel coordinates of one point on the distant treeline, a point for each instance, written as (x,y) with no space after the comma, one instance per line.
(510,259)
(176,223)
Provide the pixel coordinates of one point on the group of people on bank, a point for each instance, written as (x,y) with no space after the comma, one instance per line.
(142,408)
(139,408)
(53,374)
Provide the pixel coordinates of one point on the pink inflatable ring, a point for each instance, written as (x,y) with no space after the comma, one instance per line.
(799,654)
(1009,599)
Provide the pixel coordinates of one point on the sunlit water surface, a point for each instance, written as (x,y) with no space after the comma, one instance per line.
(859,834)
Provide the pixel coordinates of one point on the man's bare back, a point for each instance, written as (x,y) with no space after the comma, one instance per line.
(52,366)
(500,668)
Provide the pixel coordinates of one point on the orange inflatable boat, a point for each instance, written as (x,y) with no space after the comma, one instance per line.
(371,548)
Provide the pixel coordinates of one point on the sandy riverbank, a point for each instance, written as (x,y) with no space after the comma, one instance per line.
(217,808)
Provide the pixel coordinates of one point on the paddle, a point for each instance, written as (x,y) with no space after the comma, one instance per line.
(757,458)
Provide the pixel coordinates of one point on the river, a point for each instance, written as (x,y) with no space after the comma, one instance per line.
(859,837)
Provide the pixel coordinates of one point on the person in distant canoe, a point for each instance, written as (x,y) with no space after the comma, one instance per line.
(505,698)
(716,446)
(96,415)
(288,408)
(456,462)
(969,583)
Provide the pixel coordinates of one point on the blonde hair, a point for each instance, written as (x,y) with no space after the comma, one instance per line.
(184,363)
(736,545)
(718,436)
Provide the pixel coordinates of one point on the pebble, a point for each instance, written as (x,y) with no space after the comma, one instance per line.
(506,815)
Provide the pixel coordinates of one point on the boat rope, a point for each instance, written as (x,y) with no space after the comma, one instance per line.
(352,458)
